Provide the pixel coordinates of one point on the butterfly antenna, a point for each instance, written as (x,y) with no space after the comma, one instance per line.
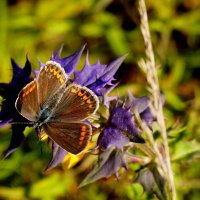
(25,123)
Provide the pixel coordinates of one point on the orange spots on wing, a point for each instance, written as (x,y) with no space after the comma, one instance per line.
(58,76)
(55,72)
(83,134)
(91,106)
(28,90)
(26,93)
(73,90)
(83,128)
(89,101)
(81,138)
(80,93)
(61,80)
(85,97)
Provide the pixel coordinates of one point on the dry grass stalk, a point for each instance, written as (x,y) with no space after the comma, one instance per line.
(149,67)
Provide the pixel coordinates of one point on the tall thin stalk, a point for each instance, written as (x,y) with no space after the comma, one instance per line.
(155,97)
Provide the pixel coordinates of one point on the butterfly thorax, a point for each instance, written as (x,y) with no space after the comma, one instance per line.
(44,116)
(41,120)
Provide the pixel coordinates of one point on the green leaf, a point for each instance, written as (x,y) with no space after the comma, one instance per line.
(50,187)
(174,100)
(184,149)
(17,193)
(117,41)
(178,71)
(91,30)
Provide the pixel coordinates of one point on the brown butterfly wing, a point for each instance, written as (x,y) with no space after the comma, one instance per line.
(27,101)
(73,137)
(51,80)
(76,104)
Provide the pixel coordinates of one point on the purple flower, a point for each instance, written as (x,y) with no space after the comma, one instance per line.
(110,162)
(120,129)
(58,155)
(68,63)
(148,117)
(142,106)
(9,93)
(98,76)
(112,137)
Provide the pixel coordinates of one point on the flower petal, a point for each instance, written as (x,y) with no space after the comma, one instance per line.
(109,163)
(57,157)
(9,92)
(89,74)
(112,137)
(97,76)
(69,63)
(122,119)
(16,139)
(148,117)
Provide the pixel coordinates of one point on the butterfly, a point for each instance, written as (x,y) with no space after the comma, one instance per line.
(57,108)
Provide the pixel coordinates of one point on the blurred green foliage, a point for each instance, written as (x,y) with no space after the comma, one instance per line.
(110,29)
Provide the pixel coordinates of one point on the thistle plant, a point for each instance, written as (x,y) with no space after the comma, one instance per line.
(115,125)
